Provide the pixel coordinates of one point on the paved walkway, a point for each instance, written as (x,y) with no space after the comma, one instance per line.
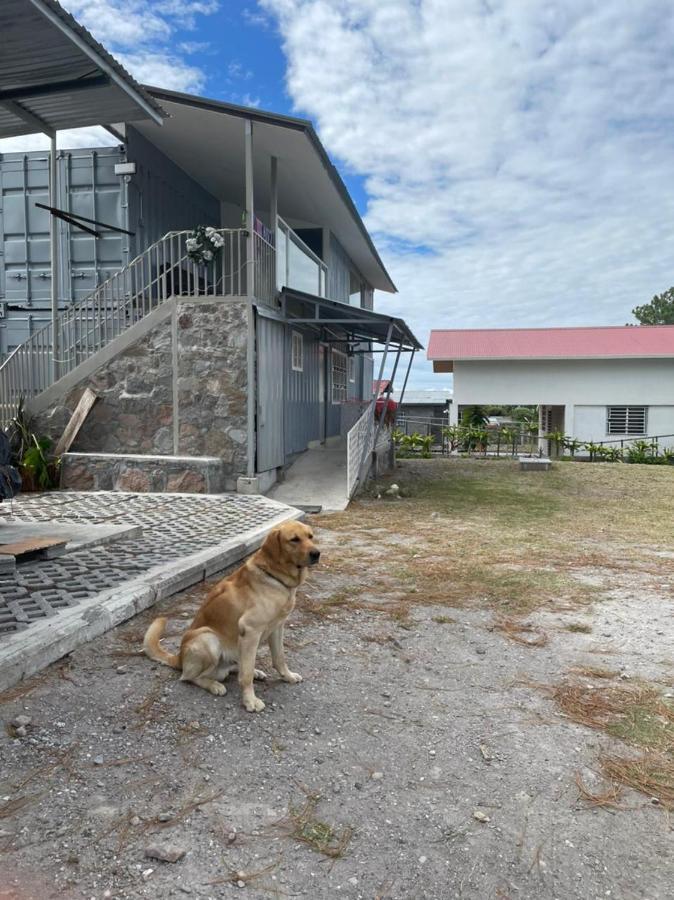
(170,541)
(317,478)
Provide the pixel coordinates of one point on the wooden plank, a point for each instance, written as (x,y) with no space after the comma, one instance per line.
(72,429)
(43,546)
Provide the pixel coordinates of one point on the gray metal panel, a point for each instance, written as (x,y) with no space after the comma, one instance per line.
(339,272)
(161,196)
(18,325)
(302,401)
(271,346)
(88,186)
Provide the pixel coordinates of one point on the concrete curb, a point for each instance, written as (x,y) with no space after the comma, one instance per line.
(30,651)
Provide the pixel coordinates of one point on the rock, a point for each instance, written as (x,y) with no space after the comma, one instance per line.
(479,816)
(165,852)
(121,670)
(20,731)
(393,491)
(240,883)
(353,880)
(231,837)
(377,776)
(422,859)
(185,889)
(165,816)
(135,821)
(98,760)
(21,721)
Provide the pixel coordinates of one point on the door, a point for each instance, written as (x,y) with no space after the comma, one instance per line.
(271,365)
(321,392)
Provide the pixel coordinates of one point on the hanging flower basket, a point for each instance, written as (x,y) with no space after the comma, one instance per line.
(204,244)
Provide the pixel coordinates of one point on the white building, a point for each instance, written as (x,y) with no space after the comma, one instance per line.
(594,384)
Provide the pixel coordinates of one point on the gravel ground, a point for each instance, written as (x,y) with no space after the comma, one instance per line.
(416,760)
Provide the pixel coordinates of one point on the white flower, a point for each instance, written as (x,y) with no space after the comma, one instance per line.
(191,243)
(208,255)
(210,230)
(217,240)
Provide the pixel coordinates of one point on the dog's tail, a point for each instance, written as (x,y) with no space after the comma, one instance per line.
(153,648)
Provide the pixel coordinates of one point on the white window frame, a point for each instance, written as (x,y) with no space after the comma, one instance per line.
(297,351)
(351,369)
(640,423)
(341,384)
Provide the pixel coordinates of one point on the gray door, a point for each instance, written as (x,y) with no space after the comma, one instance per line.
(271,365)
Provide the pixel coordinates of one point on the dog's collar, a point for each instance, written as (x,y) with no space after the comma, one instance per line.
(287,586)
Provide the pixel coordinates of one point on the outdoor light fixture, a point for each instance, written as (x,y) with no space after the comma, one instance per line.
(126,168)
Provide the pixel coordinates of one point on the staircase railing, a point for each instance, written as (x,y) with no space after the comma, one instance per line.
(359,446)
(163,270)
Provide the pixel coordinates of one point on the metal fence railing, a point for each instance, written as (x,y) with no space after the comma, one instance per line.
(359,446)
(163,270)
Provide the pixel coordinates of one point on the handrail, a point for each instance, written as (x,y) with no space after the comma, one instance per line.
(359,445)
(161,271)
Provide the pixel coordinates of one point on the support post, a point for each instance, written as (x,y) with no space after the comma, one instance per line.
(388,393)
(250,292)
(407,375)
(54,256)
(374,399)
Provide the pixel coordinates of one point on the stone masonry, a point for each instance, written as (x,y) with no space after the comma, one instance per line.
(180,391)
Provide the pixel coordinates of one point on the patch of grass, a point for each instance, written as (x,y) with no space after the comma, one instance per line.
(444,620)
(306,828)
(521,632)
(578,628)
(651,774)
(637,714)
(595,672)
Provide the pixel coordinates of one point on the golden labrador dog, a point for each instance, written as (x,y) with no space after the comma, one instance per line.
(249,606)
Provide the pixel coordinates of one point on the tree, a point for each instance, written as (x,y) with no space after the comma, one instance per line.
(660,311)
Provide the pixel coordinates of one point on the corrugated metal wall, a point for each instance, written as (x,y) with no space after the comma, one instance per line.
(161,196)
(339,272)
(270,347)
(302,401)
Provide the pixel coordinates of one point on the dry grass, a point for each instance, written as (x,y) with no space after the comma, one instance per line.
(636,714)
(476,533)
(595,672)
(302,825)
(651,774)
(521,632)
(578,628)
(610,796)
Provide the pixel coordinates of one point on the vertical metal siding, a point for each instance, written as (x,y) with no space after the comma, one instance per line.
(339,273)
(271,354)
(161,196)
(302,401)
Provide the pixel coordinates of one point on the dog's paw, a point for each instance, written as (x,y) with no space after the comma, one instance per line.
(259,675)
(255,705)
(217,689)
(292,677)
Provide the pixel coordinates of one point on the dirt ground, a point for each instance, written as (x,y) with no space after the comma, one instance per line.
(489,674)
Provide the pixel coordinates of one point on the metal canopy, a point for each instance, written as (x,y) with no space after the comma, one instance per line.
(55,75)
(347,323)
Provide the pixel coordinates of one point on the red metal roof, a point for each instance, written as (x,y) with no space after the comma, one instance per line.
(552,343)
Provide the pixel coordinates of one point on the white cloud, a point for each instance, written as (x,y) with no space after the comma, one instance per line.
(517,156)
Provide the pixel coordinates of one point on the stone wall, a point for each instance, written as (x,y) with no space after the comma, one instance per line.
(162,474)
(180,389)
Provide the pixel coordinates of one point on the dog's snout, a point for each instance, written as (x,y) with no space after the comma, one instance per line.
(315,555)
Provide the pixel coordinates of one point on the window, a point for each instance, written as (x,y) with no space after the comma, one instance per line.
(297,352)
(352,368)
(626,419)
(338,376)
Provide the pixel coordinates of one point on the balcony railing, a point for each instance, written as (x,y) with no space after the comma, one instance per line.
(297,266)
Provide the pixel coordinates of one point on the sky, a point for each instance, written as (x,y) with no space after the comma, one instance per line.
(513,159)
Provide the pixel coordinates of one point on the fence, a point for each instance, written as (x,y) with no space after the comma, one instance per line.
(499,441)
(359,446)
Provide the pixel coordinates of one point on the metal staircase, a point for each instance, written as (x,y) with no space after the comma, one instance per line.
(162,271)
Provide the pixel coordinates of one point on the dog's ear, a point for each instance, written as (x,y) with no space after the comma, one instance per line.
(272,543)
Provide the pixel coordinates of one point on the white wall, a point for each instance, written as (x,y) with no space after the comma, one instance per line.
(584,387)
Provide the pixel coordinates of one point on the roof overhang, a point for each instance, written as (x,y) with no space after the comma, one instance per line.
(447,365)
(55,75)
(341,323)
(205,138)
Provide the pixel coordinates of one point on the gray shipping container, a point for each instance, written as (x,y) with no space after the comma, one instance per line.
(160,197)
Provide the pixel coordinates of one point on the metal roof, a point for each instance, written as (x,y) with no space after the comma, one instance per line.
(55,75)
(348,322)
(429,397)
(313,187)
(603,342)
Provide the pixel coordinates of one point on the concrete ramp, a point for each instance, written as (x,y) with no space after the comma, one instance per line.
(316,479)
